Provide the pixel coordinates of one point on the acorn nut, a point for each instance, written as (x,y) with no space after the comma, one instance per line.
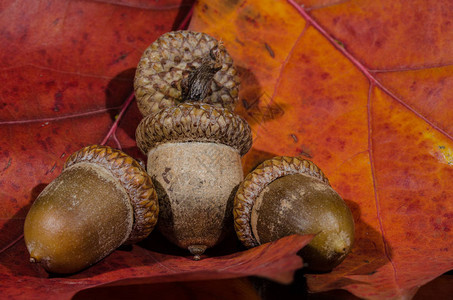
(194,158)
(290,195)
(184,66)
(102,199)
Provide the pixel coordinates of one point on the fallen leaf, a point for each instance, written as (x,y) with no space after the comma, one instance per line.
(363,89)
(139,265)
(226,289)
(67,71)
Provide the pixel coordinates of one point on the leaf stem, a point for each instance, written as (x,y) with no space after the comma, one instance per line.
(184,24)
(117,142)
(127,103)
(114,127)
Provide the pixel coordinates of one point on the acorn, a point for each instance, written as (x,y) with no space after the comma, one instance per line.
(194,158)
(184,66)
(289,195)
(102,199)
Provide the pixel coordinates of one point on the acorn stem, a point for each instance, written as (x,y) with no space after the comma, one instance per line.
(197,85)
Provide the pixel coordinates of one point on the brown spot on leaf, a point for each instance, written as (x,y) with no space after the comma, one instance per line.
(269,50)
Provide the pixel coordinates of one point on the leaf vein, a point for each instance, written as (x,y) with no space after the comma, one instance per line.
(142,6)
(59,118)
(375,185)
(290,53)
(60,71)
(363,69)
(415,68)
(321,6)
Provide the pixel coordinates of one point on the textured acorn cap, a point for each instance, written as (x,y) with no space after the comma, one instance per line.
(257,180)
(133,178)
(194,122)
(170,60)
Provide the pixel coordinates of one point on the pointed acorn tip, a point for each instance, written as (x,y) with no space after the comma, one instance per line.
(341,246)
(197,251)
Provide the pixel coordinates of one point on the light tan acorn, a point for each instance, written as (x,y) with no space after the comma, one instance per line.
(194,157)
(184,66)
(102,199)
(289,195)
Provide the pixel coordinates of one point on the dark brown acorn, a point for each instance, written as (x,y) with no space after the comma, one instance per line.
(289,195)
(194,157)
(102,199)
(183,66)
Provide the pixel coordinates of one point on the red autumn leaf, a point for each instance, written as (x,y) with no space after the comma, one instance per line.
(140,265)
(361,88)
(67,70)
(226,289)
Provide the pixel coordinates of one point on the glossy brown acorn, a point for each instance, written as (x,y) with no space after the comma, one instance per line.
(288,195)
(102,199)
(194,157)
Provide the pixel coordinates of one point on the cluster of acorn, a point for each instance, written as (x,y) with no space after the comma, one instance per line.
(186,87)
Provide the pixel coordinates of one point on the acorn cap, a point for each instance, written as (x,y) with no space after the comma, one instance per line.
(257,180)
(171,63)
(194,122)
(133,179)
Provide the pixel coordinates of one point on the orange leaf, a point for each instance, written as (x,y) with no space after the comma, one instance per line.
(361,88)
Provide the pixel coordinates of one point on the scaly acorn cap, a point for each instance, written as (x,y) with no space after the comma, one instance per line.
(185,66)
(194,122)
(257,180)
(133,179)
